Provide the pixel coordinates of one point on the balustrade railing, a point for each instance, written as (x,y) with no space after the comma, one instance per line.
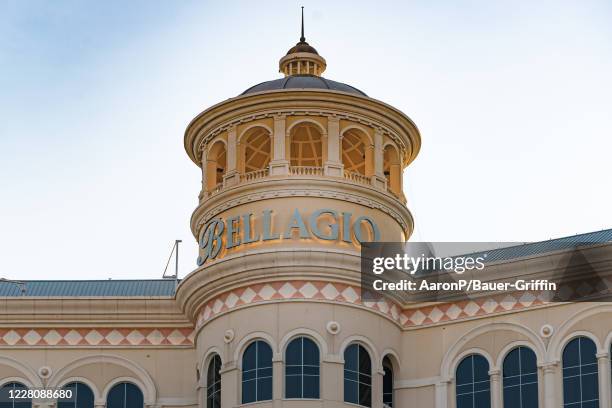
(351,176)
(305,171)
(216,189)
(357,177)
(254,175)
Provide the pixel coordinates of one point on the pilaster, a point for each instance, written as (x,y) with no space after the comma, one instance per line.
(496,388)
(603,365)
(277,380)
(279,165)
(550,391)
(231,172)
(378,178)
(441,393)
(333,165)
(377,388)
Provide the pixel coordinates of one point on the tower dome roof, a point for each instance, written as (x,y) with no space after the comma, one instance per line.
(302,46)
(303,82)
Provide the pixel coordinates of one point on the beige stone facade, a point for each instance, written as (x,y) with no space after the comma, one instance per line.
(293,179)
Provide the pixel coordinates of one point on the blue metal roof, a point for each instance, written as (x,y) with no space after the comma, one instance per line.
(543,247)
(88,288)
(303,82)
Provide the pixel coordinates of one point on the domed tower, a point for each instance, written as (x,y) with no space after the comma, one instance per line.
(296,173)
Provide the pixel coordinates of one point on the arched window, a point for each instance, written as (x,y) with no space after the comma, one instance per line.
(306,146)
(257,372)
(81,396)
(125,395)
(213,383)
(580,382)
(357,376)
(302,369)
(5,396)
(520,379)
(257,149)
(472,382)
(354,151)
(388,382)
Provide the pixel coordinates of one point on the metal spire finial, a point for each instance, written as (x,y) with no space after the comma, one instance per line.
(302,38)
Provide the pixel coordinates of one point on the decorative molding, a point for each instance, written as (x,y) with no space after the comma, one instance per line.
(349,294)
(98,337)
(283,193)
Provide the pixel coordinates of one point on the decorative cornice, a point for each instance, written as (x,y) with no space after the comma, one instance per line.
(282,187)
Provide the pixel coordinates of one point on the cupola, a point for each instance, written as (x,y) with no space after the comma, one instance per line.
(302,58)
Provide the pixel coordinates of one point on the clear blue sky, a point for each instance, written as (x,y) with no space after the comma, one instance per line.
(513,100)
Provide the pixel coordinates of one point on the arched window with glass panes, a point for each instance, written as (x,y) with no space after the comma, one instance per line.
(125,395)
(580,378)
(302,371)
(257,372)
(81,396)
(520,378)
(357,376)
(387,383)
(213,383)
(473,387)
(8,392)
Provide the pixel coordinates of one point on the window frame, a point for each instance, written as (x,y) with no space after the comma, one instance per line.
(473,382)
(78,383)
(125,383)
(520,375)
(256,342)
(216,383)
(387,363)
(17,403)
(302,375)
(580,366)
(358,373)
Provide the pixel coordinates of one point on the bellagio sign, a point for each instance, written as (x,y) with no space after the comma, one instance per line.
(323,224)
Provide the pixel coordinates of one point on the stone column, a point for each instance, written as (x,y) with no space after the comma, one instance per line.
(99,403)
(241,157)
(211,174)
(378,178)
(441,389)
(277,380)
(496,388)
(231,172)
(395,179)
(401,183)
(550,391)
(369,160)
(333,164)
(603,365)
(279,165)
(203,165)
(377,388)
